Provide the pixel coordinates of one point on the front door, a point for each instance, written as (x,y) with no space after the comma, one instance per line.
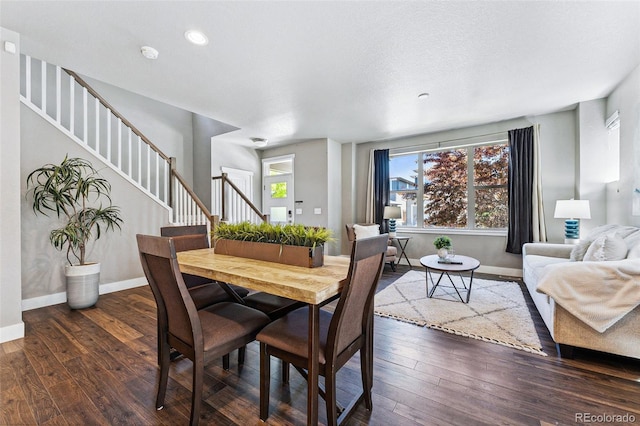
(277,189)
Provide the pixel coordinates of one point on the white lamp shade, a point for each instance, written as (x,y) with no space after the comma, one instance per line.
(572,209)
(392,212)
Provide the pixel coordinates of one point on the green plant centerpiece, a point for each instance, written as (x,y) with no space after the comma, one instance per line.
(291,244)
(443,244)
(76,194)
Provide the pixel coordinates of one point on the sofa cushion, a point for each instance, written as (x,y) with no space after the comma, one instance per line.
(579,250)
(366,231)
(536,264)
(607,247)
(633,243)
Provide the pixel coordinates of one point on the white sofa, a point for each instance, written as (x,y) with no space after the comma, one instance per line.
(602,292)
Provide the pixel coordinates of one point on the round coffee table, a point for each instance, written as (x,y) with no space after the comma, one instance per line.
(458,265)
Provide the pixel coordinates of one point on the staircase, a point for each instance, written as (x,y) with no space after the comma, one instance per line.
(65,100)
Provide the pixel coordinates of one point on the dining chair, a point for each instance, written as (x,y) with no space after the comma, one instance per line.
(274,306)
(199,335)
(343,333)
(203,291)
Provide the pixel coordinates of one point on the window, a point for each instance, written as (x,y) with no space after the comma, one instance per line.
(435,187)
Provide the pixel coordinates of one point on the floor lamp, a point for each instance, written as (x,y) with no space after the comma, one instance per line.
(392,213)
(572,211)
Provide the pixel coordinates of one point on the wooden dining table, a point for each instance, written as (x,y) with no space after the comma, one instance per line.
(314,286)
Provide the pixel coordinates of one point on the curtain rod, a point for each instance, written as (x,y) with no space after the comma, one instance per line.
(440,143)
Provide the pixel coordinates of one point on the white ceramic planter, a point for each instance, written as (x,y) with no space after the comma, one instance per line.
(443,253)
(83,284)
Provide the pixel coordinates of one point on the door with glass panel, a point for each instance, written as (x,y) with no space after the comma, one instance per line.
(277,189)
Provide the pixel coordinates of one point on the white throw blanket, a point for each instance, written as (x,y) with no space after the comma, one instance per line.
(597,293)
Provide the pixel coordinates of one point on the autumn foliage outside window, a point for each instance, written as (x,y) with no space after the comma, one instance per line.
(452,180)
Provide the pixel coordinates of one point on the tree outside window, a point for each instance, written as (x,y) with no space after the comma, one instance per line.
(452,180)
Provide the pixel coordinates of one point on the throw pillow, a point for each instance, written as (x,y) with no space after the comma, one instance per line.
(607,247)
(366,231)
(579,250)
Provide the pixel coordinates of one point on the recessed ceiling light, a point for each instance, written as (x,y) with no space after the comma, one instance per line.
(149,52)
(196,37)
(259,142)
(424,95)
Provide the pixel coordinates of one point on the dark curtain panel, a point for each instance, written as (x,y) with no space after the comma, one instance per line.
(520,189)
(381,185)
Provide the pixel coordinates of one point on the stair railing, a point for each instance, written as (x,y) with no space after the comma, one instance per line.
(70,104)
(232,205)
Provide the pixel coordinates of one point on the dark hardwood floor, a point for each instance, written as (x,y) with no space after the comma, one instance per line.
(98,367)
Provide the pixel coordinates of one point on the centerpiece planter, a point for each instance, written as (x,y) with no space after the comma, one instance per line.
(295,245)
(290,255)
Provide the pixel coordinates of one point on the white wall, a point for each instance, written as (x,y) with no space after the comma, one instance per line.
(11,325)
(593,155)
(626,99)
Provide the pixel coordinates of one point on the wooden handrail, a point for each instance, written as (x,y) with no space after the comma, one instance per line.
(107,105)
(241,194)
(193,195)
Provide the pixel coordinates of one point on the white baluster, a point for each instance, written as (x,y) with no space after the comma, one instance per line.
(108,135)
(139,161)
(129,155)
(97,125)
(27,73)
(72,105)
(166,181)
(43,76)
(58,94)
(85,115)
(119,143)
(148,168)
(158,158)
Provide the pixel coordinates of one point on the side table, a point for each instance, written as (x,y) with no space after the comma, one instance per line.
(402,245)
(464,264)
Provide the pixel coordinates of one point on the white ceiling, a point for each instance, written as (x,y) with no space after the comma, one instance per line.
(350,71)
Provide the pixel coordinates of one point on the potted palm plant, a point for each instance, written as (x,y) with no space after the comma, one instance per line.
(74,191)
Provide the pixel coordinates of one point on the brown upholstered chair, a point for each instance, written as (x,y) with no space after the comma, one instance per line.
(392,251)
(198,334)
(203,291)
(348,330)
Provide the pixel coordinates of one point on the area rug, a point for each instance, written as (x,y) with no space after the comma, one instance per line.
(496,312)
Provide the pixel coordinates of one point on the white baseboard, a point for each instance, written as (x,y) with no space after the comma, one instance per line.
(56,298)
(12,332)
(494,270)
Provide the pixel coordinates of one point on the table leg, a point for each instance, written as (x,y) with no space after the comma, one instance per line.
(313,367)
(470,284)
(433,288)
(402,251)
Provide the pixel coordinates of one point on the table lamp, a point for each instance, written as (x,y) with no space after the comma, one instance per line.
(572,211)
(392,213)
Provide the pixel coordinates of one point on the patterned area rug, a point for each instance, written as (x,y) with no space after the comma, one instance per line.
(496,312)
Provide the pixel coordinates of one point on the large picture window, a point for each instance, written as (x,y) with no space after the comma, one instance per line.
(453,187)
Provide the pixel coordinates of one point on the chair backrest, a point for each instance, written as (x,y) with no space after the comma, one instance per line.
(354,308)
(175,307)
(184,241)
(175,231)
(351,234)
